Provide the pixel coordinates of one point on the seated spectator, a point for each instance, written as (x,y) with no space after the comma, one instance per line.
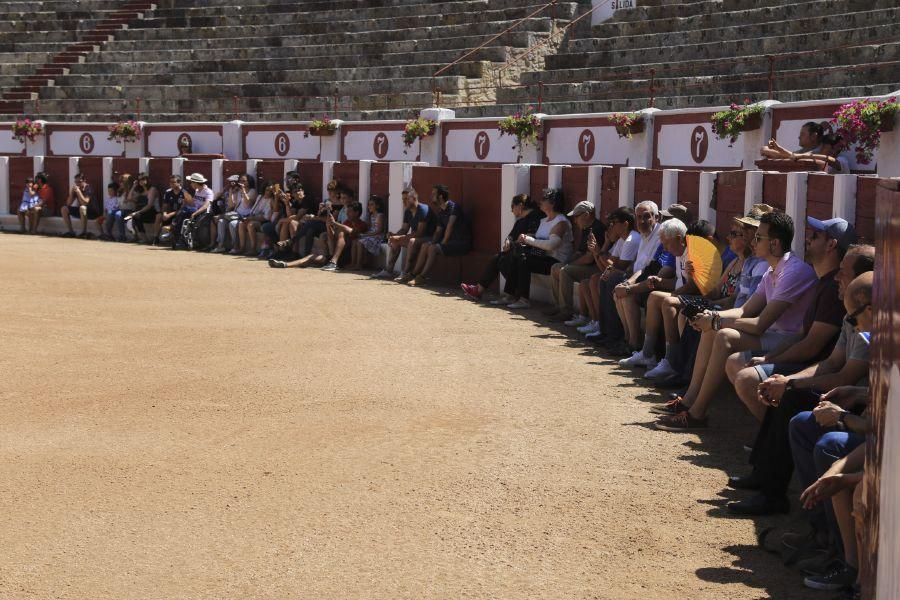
(819,438)
(785,396)
(127,205)
(311,226)
(47,204)
(197,201)
(550,244)
(110,207)
(631,294)
(452,235)
(528,218)
(587,230)
(147,207)
(369,243)
(233,206)
(335,248)
(770,317)
(80,204)
(170,207)
(418,224)
(292,207)
(673,236)
(248,226)
(738,282)
(810,141)
(612,258)
(341,236)
(826,249)
(28,207)
(676,211)
(843,484)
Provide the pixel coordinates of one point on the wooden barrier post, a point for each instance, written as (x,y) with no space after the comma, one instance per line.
(795,206)
(705,195)
(626,186)
(844,204)
(4,185)
(669,188)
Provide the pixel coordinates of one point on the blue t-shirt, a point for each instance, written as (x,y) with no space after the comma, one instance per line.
(460,227)
(728,256)
(423,213)
(664,258)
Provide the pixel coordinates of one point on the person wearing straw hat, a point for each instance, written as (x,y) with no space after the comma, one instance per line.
(197,200)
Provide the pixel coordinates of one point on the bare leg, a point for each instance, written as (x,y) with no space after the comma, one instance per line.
(251,234)
(670,318)
(412,252)
(654,321)
(22,221)
(632,321)
(340,242)
(727,341)
(422,258)
(703,350)
(67,219)
(842,503)
(82,214)
(430,254)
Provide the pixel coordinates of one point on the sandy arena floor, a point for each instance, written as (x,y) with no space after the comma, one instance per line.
(182,425)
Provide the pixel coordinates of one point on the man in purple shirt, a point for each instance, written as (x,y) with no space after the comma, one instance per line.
(772,316)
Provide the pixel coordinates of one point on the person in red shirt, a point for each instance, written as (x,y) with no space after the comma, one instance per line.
(342,235)
(338,246)
(47,203)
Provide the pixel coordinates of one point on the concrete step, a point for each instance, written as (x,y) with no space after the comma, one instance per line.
(724,48)
(772,29)
(847,56)
(409,52)
(354,21)
(212,76)
(736,85)
(349,61)
(188,91)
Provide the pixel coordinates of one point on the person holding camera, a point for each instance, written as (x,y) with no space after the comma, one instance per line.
(170,206)
(341,235)
(80,203)
(27,212)
(249,225)
(232,206)
(550,244)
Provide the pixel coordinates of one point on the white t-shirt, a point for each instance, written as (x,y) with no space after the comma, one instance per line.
(563,252)
(626,249)
(679,270)
(646,250)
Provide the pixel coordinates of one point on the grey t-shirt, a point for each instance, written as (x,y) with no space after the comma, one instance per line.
(856,346)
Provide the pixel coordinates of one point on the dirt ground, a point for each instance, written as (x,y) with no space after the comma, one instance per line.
(182,425)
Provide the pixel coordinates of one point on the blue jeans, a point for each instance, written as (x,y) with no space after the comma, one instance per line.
(815,449)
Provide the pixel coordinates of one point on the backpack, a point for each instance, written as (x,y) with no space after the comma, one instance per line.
(195,232)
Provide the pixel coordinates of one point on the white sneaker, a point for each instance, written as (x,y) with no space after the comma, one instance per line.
(502,301)
(592,327)
(520,303)
(218,249)
(661,371)
(636,360)
(594,335)
(329,267)
(382,274)
(577,321)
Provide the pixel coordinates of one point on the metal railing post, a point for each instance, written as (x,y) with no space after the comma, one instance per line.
(137,108)
(540,101)
(652,87)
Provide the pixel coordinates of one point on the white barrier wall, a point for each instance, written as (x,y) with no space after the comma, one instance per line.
(673,139)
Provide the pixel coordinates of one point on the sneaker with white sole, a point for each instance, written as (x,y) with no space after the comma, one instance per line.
(382,274)
(577,321)
(520,303)
(332,266)
(662,370)
(837,578)
(636,360)
(502,300)
(592,327)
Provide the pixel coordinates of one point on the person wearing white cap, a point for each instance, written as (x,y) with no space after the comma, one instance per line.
(580,266)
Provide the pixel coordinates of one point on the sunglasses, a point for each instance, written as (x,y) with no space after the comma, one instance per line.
(852,318)
(757,237)
(735,234)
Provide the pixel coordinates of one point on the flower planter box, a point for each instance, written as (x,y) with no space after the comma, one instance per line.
(753,122)
(631,129)
(321,132)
